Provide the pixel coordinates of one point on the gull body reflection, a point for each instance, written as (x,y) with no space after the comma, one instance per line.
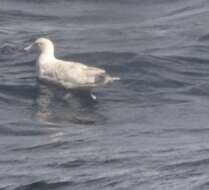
(58,105)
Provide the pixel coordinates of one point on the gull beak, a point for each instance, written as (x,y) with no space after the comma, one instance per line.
(28,48)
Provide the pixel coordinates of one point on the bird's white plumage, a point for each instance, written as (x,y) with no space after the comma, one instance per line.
(68,74)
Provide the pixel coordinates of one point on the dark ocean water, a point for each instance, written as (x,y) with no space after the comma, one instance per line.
(149,131)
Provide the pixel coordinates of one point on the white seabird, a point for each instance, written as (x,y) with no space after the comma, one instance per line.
(68,74)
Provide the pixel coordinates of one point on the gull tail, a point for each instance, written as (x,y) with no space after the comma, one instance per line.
(105,79)
(109,79)
(115,78)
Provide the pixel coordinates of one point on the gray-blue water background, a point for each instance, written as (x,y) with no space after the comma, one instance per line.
(149,131)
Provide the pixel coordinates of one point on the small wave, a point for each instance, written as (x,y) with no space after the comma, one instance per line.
(187,164)
(23,91)
(8,52)
(45,185)
(189,130)
(73,163)
(191,10)
(7,49)
(201,90)
(17,14)
(17,128)
(94,162)
(47,146)
(203,186)
(204,37)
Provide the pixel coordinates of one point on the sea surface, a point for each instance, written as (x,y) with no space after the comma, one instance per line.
(148,131)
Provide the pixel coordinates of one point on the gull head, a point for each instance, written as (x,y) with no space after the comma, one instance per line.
(44,45)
